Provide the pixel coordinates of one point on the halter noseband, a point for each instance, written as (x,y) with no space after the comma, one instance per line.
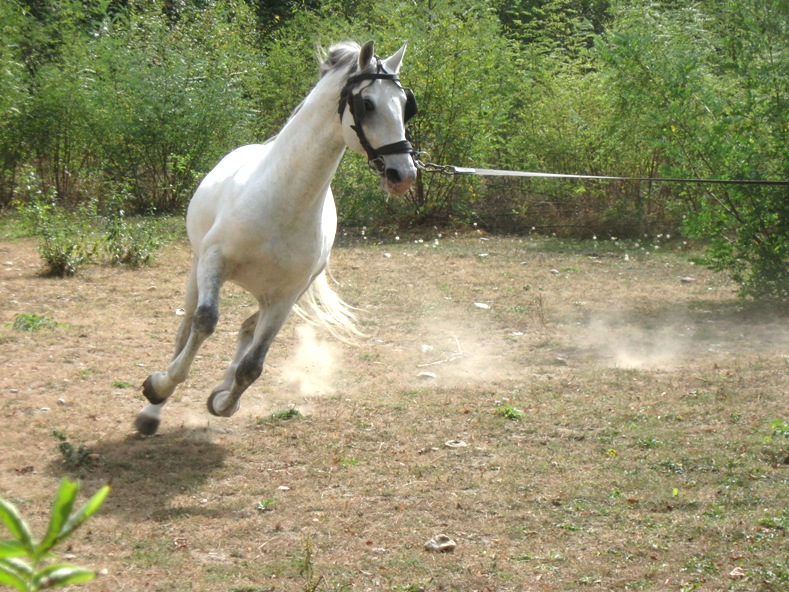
(356,105)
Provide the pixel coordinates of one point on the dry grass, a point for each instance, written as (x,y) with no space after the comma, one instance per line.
(614,419)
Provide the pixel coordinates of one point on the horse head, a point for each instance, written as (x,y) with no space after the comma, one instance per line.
(374,109)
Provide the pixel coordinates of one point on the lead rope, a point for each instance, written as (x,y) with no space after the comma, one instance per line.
(451,170)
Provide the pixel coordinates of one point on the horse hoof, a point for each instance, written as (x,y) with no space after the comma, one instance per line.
(146,424)
(215,404)
(149,392)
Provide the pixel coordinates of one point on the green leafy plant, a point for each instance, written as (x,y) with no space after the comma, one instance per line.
(193,98)
(32,322)
(73,457)
(780,429)
(285,414)
(707,113)
(22,558)
(70,239)
(507,411)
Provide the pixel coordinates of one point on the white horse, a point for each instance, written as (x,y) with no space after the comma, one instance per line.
(265,219)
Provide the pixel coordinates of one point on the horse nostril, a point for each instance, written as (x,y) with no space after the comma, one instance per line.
(393,176)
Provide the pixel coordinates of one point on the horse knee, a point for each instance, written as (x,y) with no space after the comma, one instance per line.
(205,319)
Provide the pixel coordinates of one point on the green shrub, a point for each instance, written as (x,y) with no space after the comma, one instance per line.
(780,430)
(64,239)
(74,458)
(168,99)
(68,240)
(133,244)
(13,94)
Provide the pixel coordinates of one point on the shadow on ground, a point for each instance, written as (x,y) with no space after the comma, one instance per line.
(147,473)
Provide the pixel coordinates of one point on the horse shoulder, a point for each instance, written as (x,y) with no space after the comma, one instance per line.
(216,190)
(235,163)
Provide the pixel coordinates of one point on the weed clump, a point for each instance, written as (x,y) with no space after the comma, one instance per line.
(74,458)
(33,322)
(281,415)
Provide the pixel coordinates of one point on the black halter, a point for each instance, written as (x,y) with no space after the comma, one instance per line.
(356,105)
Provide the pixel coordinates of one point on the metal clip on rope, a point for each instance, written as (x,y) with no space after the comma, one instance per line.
(431,167)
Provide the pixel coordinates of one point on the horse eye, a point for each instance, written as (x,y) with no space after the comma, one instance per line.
(368,105)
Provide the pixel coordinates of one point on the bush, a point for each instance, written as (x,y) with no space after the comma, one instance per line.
(13,94)
(167,100)
(56,135)
(32,322)
(70,239)
(133,244)
(64,238)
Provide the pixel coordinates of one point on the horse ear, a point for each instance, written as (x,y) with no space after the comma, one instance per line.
(366,55)
(392,63)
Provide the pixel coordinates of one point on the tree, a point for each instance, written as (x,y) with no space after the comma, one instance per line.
(13,94)
(715,105)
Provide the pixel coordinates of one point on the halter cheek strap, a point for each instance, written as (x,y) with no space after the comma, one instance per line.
(355,105)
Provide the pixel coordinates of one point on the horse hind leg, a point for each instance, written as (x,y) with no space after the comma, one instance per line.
(158,387)
(190,304)
(155,394)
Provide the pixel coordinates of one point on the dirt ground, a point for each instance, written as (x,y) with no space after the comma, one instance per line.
(573,416)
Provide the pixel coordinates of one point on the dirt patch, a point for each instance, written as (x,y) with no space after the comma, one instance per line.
(570,415)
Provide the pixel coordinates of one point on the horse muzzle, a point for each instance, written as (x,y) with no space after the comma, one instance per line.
(397,171)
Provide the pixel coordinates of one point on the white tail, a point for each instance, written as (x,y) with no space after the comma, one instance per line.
(321,306)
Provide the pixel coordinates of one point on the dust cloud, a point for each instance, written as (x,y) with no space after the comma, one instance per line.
(633,347)
(663,342)
(464,350)
(310,369)
(306,372)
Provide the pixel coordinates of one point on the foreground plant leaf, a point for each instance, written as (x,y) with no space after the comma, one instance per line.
(62,574)
(9,515)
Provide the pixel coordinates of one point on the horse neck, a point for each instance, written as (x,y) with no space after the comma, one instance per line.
(310,146)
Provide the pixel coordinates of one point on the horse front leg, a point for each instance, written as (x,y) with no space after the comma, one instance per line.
(190,304)
(195,329)
(245,336)
(147,421)
(248,365)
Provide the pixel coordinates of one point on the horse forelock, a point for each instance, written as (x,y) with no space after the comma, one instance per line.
(340,57)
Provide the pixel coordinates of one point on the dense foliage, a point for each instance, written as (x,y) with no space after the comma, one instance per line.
(132,102)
